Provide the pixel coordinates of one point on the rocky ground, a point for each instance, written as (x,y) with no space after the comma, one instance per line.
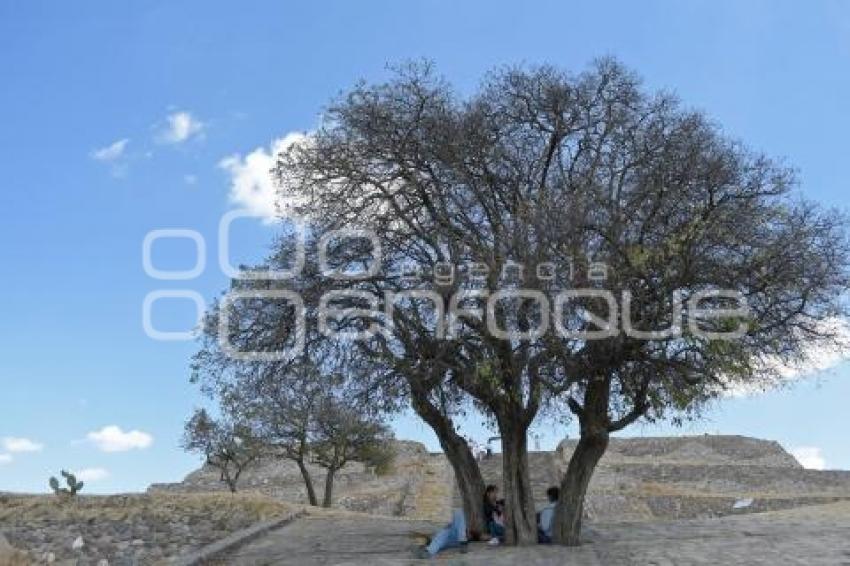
(124,529)
(813,535)
(659,501)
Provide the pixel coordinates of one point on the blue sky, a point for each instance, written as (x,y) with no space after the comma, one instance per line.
(190,84)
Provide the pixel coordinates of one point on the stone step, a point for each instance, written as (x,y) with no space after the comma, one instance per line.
(729,479)
(542,474)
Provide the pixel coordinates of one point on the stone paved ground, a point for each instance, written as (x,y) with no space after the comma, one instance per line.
(805,536)
(810,536)
(332,540)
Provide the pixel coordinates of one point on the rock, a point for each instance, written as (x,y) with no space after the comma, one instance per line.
(11,556)
(78,543)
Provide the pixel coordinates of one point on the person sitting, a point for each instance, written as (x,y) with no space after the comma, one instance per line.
(456,535)
(494,514)
(546,515)
(452,535)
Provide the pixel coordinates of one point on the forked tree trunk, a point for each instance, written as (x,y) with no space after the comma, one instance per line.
(520,520)
(233,481)
(568,513)
(227,480)
(329,488)
(463,463)
(308,482)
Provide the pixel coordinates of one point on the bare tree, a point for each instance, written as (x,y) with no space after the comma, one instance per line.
(541,167)
(343,433)
(226,446)
(292,404)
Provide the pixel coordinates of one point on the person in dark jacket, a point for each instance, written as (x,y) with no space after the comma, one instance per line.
(494,514)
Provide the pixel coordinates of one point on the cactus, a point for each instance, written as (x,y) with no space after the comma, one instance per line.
(73,488)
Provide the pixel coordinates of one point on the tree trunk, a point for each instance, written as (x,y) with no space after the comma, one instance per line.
(465,467)
(308,482)
(229,481)
(329,488)
(568,513)
(520,520)
(470,484)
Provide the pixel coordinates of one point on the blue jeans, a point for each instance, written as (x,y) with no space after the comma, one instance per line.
(452,535)
(496,530)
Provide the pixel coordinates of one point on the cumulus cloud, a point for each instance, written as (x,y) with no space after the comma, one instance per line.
(12,444)
(91,475)
(816,358)
(809,457)
(110,152)
(112,439)
(252,186)
(5,459)
(181,127)
(822,357)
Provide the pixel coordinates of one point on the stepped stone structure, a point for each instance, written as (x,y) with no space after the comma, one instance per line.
(638,479)
(686,477)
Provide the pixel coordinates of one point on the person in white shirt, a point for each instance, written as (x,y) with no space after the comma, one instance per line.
(476,450)
(546,515)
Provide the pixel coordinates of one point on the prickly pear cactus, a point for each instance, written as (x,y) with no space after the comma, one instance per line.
(73,488)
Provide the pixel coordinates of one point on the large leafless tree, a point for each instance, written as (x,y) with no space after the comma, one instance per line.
(540,167)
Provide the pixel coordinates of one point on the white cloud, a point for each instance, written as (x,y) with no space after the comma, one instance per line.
(252,186)
(110,152)
(181,127)
(112,439)
(190,179)
(11,444)
(91,475)
(822,357)
(816,358)
(809,457)
(5,459)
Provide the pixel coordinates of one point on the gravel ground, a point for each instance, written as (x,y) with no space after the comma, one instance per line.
(126,529)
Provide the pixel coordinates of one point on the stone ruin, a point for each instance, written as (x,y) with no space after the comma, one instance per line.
(355,487)
(638,479)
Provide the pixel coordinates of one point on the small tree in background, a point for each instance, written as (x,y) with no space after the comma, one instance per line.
(343,432)
(295,406)
(279,404)
(379,457)
(227,446)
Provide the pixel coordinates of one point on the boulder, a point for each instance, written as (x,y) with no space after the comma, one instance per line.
(11,556)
